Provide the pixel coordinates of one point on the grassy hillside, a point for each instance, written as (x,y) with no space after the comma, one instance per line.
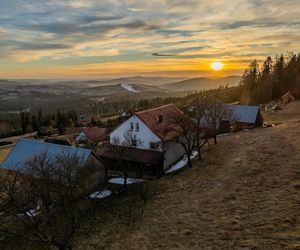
(244,194)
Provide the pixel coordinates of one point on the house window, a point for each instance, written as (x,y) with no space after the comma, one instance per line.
(131,126)
(137,127)
(152,145)
(160,118)
(133,142)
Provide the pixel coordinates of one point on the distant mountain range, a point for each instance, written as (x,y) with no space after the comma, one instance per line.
(53,94)
(166,83)
(157,81)
(202,83)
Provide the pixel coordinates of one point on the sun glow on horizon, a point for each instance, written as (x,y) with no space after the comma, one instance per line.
(217,66)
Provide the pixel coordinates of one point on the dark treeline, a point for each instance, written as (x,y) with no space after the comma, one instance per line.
(42,123)
(38,122)
(272,80)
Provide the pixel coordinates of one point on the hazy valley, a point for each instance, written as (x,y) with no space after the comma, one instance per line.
(65,94)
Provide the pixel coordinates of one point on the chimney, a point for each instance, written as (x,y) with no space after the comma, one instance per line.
(160,118)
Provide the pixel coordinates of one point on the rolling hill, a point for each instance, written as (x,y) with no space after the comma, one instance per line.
(202,83)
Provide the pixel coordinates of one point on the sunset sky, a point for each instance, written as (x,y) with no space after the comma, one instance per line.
(111,38)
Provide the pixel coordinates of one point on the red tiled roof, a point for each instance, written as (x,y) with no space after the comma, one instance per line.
(161,129)
(95,133)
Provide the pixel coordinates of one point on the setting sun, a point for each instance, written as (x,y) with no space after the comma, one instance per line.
(217,66)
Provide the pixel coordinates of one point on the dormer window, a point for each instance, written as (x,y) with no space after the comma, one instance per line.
(137,127)
(160,118)
(131,126)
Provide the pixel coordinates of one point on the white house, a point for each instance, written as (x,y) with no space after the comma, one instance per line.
(91,135)
(149,130)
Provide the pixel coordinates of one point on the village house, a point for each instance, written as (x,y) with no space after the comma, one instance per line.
(91,136)
(25,150)
(148,140)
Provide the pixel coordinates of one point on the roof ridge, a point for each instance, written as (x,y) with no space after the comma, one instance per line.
(151,119)
(53,144)
(147,110)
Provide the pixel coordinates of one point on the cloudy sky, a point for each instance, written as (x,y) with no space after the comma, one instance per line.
(97,38)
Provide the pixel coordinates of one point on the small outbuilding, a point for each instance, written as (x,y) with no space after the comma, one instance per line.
(25,150)
(245,117)
(91,136)
(287,98)
(139,163)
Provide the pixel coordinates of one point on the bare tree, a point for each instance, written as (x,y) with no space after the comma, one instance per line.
(46,201)
(201,134)
(184,133)
(125,151)
(210,112)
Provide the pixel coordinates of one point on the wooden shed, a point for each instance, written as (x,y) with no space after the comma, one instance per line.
(139,163)
(245,116)
(287,98)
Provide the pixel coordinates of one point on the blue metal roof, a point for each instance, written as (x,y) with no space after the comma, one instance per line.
(240,113)
(25,150)
(244,113)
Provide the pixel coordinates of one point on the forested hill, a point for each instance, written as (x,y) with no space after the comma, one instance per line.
(203,83)
(273,79)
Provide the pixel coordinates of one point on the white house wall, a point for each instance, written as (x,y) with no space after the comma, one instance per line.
(144,135)
(174,152)
(81,137)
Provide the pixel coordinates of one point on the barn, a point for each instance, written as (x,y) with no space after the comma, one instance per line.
(245,117)
(25,150)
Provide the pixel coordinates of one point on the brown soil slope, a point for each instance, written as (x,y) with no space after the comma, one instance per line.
(244,194)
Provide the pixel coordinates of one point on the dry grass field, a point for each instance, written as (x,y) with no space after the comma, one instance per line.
(4,151)
(245,194)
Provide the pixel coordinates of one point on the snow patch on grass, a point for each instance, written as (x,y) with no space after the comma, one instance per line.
(120,181)
(101,194)
(182,163)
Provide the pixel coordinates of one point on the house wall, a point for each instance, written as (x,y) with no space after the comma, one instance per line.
(240,126)
(243,125)
(174,151)
(81,137)
(134,169)
(144,135)
(259,120)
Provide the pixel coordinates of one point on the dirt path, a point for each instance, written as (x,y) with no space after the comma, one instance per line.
(245,194)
